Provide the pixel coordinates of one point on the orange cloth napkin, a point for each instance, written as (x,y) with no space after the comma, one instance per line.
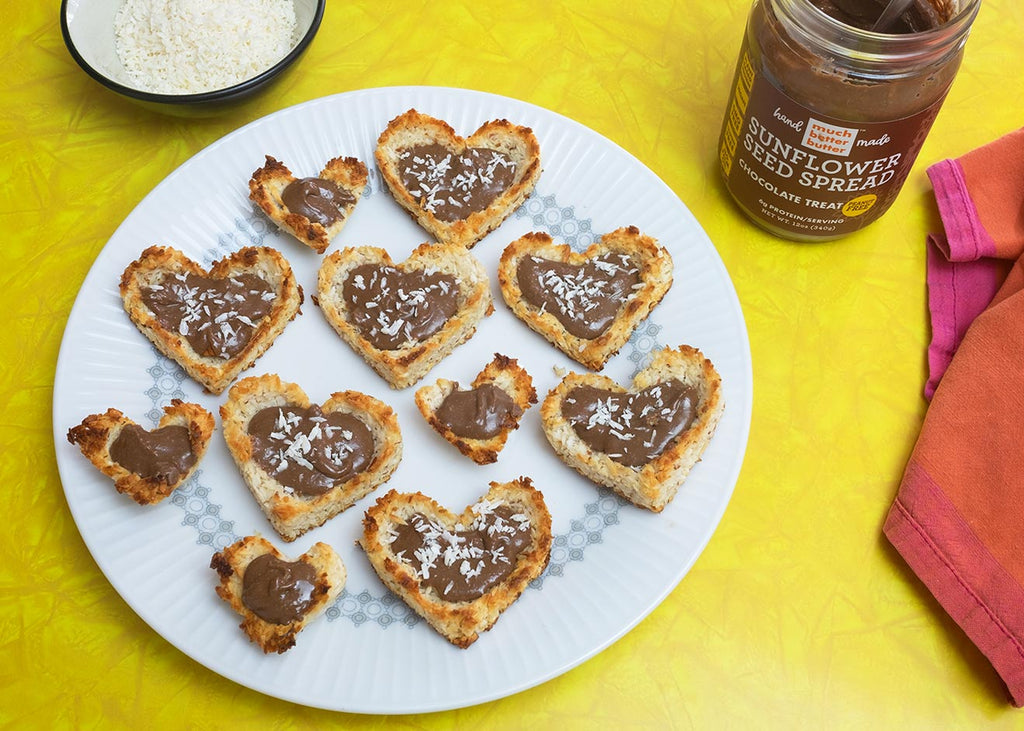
(958,518)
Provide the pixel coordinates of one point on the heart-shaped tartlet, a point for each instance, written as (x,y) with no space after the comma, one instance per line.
(146,465)
(479,419)
(214,324)
(459,572)
(457,189)
(314,209)
(586,304)
(276,597)
(640,442)
(403,319)
(305,463)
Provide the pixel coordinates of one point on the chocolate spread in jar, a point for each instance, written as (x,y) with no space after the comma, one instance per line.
(454,185)
(586,298)
(163,454)
(462,565)
(826,117)
(631,428)
(307,451)
(216,316)
(317,199)
(478,413)
(277,591)
(863,14)
(392,308)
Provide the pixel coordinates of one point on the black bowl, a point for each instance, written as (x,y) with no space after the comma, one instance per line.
(88,30)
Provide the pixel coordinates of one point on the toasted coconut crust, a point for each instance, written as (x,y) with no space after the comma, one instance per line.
(292,514)
(459,622)
(214,374)
(653,261)
(655,484)
(413,128)
(97,432)
(407,365)
(230,565)
(503,372)
(267,185)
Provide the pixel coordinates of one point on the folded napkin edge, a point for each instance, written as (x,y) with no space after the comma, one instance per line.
(966,237)
(967,589)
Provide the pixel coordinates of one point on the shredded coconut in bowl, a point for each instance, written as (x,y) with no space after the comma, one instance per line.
(192,46)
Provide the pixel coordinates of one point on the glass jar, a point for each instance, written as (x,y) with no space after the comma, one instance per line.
(827,116)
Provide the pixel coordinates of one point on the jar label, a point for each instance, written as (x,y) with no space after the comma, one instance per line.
(805,174)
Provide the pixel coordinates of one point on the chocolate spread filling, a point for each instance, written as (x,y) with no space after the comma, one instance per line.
(216,316)
(163,454)
(279,592)
(585,298)
(450,185)
(393,308)
(478,413)
(462,565)
(317,199)
(307,451)
(864,13)
(631,428)
(824,85)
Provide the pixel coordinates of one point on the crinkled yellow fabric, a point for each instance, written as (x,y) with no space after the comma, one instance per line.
(798,614)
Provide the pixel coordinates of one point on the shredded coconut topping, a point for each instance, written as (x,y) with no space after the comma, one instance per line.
(191,46)
(580,292)
(453,186)
(462,563)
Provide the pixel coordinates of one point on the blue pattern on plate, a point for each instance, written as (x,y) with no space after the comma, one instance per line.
(386,609)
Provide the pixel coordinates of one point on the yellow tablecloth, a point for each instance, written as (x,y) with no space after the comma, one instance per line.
(798,614)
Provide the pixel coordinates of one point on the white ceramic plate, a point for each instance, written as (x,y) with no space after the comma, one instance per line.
(611,563)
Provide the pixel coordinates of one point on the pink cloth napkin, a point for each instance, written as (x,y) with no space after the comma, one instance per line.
(980,201)
(958,518)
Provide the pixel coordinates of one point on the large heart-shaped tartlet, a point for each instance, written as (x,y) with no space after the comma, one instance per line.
(459,572)
(214,324)
(458,189)
(403,319)
(146,465)
(305,463)
(586,304)
(275,597)
(314,209)
(640,442)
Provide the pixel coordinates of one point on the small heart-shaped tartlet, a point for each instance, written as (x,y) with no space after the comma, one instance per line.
(276,597)
(403,319)
(640,442)
(213,324)
(459,572)
(304,463)
(478,420)
(146,465)
(457,189)
(315,209)
(588,304)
